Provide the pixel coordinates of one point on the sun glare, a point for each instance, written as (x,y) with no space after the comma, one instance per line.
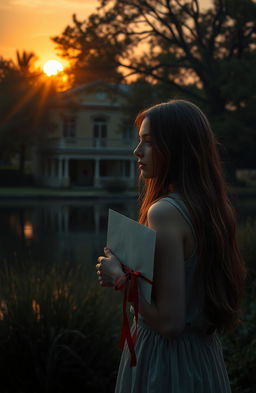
(52,67)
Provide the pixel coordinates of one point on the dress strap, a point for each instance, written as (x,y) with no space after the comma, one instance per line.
(176,200)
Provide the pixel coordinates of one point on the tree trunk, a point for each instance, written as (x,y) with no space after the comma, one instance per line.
(216,101)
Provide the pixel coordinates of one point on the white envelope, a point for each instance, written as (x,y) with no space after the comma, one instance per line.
(134,246)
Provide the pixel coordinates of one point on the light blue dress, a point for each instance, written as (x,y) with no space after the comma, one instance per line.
(191,363)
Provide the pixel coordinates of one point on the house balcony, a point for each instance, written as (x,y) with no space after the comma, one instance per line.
(89,145)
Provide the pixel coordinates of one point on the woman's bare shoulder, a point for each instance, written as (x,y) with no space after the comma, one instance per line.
(164,213)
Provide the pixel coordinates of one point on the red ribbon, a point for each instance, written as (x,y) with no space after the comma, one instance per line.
(131,294)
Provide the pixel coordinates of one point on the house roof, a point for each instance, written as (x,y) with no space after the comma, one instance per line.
(122,89)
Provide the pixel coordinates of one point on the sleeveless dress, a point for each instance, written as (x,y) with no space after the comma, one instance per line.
(190,363)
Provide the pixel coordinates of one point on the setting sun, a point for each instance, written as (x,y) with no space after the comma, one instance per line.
(52,67)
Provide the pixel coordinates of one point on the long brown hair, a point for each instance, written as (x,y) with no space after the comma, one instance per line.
(185,155)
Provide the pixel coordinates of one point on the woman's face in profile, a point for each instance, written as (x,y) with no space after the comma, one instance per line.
(144,149)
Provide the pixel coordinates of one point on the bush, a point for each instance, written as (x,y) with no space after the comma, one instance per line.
(240,346)
(59,332)
(246,236)
(240,183)
(12,177)
(55,333)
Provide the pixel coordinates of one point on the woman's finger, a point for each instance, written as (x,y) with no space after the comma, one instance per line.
(101,259)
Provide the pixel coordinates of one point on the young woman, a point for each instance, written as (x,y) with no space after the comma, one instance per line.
(198,270)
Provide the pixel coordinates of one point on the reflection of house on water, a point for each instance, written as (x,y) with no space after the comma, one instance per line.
(58,230)
(88,218)
(67,221)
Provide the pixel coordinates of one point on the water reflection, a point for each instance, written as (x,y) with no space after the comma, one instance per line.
(58,230)
(64,218)
(28,230)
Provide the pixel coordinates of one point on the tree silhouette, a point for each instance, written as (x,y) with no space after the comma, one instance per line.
(25,61)
(24,96)
(206,55)
(91,56)
(209,48)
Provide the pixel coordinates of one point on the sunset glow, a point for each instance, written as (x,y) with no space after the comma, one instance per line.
(52,67)
(29,24)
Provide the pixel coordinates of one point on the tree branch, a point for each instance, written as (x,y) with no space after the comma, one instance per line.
(216,26)
(181,42)
(146,72)
(157,17)
(155,29)
(195,7)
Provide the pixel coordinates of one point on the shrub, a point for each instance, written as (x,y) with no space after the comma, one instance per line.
(247,237)
(12,177)
(59,331)
(55,333)
(240,183)
(240,346)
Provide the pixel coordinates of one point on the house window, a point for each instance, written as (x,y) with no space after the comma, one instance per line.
(69,127)
(99,131)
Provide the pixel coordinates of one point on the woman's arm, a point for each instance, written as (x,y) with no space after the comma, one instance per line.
(166,313)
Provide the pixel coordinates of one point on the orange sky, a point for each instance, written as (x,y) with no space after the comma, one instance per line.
(28,24)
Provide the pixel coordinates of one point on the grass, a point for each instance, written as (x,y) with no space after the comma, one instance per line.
(55,333)
(59,330)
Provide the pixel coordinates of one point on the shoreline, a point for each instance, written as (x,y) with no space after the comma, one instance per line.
(7,193)
(12,193)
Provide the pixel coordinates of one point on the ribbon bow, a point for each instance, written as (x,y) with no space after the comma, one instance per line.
(131,294)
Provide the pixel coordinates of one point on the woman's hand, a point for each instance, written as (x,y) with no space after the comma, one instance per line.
(108,269)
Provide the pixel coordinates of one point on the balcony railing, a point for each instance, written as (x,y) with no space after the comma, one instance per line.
(90,143)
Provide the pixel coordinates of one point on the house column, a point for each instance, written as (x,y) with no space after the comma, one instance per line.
(66,174)
(65,177)
(59,172)
(59,169)
(97,173)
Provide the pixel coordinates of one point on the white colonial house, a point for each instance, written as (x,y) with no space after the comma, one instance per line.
(92,140)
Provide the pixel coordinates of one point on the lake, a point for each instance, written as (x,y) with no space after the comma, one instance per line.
(47,231)
(74,230)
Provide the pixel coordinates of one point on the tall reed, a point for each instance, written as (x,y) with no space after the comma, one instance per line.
(58,329)
(240,347)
